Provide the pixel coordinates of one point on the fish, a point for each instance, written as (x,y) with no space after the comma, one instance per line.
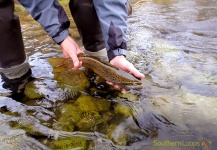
(103,69)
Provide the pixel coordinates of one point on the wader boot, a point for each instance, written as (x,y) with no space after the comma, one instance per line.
(87,22)
(14,66)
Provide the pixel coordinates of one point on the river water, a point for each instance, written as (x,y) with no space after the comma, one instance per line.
(174,43)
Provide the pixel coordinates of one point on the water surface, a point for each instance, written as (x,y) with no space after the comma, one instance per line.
(173,42)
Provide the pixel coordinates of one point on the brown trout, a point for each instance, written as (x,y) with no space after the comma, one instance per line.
(103,69)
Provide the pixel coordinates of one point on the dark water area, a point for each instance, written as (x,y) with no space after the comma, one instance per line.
(173,42)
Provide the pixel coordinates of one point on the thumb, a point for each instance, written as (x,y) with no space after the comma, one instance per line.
(75,60)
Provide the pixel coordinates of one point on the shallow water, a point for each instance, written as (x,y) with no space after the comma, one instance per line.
(174,43)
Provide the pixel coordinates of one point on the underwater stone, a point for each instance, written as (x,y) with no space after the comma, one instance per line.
(64,125)
(117,134)
(128,96)
(76,79)
(86,123)
(88,103)
(89,121)
(31,91)
(69,116)
(124,110)
(108,115)
(70,143)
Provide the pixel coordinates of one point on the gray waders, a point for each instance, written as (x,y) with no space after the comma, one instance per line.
(87,22)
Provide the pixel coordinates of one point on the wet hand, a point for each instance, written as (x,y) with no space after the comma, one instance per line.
(71,49)
(121,63)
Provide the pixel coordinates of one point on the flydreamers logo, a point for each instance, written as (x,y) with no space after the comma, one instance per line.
(183,142)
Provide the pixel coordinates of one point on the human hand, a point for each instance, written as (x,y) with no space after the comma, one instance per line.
(121,63)
(71,49)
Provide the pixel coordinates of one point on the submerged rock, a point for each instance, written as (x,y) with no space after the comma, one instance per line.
(76,81)
(32,91)
(117,134)
(69,116)
(128,96)
(92,109)
(89,121)
(66,85)
(122,131)
(124,110)
(69,143)
(88,103)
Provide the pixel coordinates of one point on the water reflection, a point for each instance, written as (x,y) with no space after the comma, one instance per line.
(173,42)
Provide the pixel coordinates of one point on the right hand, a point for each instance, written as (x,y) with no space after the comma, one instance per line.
(122,63)
(71,49)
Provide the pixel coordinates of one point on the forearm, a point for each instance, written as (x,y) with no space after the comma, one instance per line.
(51,16)
(113,15)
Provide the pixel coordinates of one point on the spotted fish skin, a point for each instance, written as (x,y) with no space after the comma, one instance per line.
(103,69)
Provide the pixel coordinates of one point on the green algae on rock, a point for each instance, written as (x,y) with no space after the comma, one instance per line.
(76,80)
(69,116)
(92,109)
(124,110)
(117,135)
(87,122)
(108,115)
(69,143)
(122,131)
(88,103)
(128,96)
(64,125)
(31,91)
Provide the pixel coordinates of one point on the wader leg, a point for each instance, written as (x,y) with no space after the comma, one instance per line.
(11,44)
(14,66)
(87,22)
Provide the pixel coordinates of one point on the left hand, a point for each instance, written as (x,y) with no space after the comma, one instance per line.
(121,63)
(71,49)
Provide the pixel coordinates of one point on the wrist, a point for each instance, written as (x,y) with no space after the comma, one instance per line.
(117,59)
(61,36)
(67,38)
(117,52)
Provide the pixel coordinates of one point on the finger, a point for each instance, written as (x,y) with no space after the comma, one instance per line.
(110,83)
(134,71)
(117,87)
(77,65)
(75,61)
(124,91)
(73,55)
